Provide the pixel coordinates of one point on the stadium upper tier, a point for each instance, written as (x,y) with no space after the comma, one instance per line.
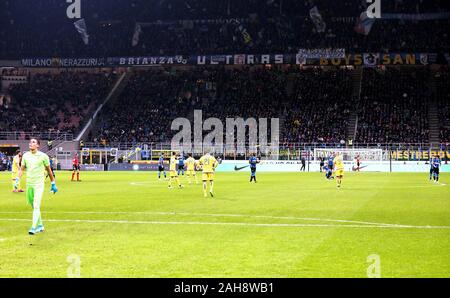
(182,27)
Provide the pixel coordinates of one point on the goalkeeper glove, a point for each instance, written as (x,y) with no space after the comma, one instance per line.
(54,190)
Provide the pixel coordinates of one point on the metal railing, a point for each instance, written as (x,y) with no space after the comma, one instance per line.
(291,145)
(291,151)
(22,135)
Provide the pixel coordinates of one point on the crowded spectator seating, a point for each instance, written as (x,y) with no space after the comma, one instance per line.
(145,108)
(319,108)
(394,106)
(181,27)
(314,104)
(311,103)
(53,102)
(442,80)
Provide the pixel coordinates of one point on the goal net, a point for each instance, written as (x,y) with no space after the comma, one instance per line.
(349,155)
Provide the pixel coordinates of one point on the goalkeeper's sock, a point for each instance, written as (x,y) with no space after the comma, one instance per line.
(36,217)
(73,175)
(211,187)
(78,176)
(40,226)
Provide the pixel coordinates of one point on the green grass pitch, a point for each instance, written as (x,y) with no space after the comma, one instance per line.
(128,224)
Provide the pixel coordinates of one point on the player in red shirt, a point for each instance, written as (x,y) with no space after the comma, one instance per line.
(76,167)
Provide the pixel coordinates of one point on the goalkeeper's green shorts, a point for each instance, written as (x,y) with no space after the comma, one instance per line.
(34,195)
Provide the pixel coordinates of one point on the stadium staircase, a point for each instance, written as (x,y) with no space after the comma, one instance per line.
(290,84)
(434,125)
(115,92)
(356,95)
(433,122)
(59,142)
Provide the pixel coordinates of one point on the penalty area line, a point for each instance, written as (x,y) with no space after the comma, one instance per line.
(230,224)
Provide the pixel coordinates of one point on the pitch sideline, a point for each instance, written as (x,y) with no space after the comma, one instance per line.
(231,224)
(209,215)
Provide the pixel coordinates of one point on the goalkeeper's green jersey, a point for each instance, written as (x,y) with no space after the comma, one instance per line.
(35,165)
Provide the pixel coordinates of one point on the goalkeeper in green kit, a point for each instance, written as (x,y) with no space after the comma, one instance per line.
(35,163)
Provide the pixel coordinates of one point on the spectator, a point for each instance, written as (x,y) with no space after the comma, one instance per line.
(52,102)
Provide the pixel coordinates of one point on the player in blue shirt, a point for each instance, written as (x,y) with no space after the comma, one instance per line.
(253,161)
(331,164)
(431,168)
(436,164)
(328,172)
(161,167)
(52,167)
(181,164)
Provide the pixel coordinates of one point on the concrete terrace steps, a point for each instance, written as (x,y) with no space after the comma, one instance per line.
(356,95)
(434,123)
(114,93)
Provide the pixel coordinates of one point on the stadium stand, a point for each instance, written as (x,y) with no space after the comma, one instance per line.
(187,27)
(159,97)
(394,106)
(314,104)
(319,109)
(443,100)
(53,102)
(155,97)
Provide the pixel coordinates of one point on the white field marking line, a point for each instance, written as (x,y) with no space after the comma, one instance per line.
(228,224)
(144,183)
(2,239)
(156,183)
(215,215)
(148,183)
(430,185)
